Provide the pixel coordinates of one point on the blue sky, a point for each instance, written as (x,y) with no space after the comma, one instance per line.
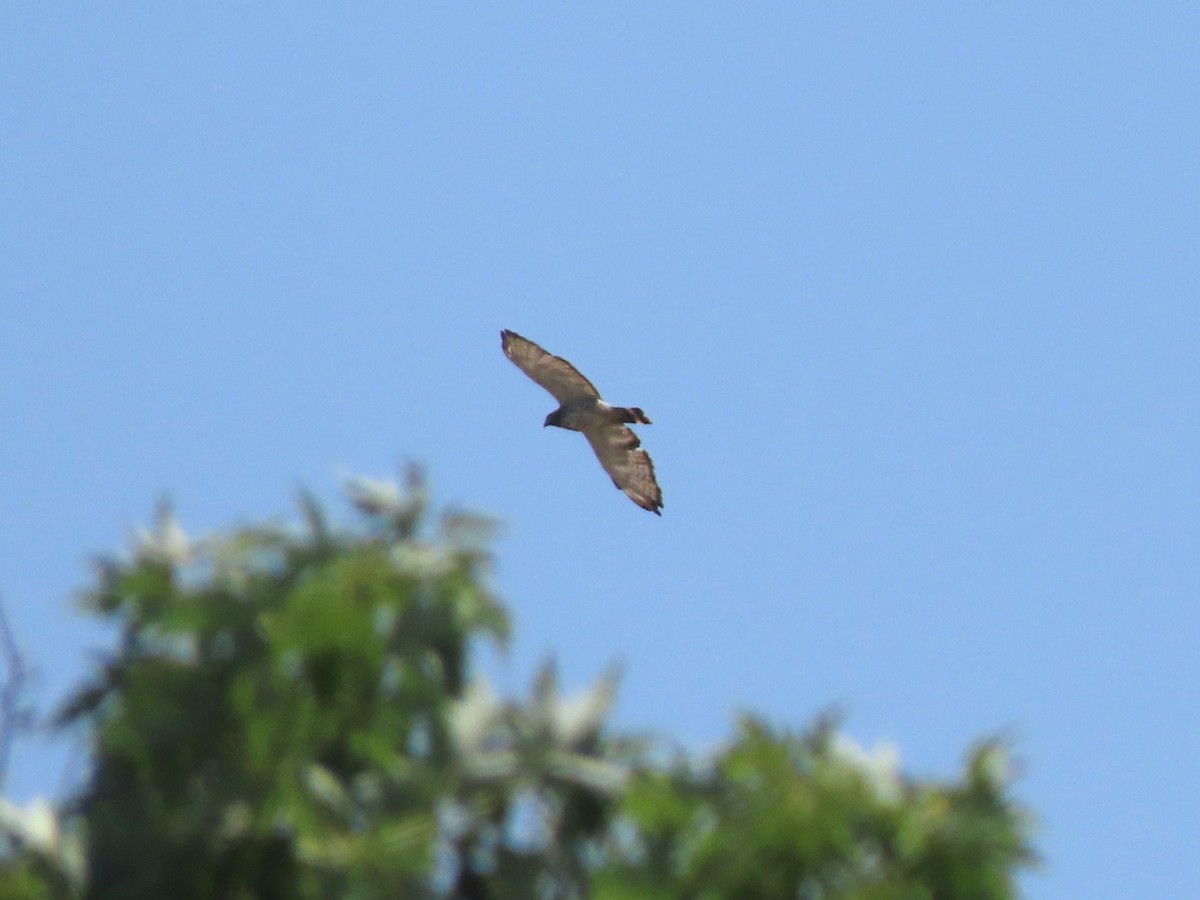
(910,292)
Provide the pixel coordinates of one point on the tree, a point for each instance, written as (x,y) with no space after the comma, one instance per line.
(292,713)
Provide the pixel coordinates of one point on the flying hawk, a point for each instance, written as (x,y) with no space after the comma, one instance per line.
(581,409)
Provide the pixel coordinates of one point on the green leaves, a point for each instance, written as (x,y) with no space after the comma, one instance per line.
(781,815)
(293,713)
(275,720)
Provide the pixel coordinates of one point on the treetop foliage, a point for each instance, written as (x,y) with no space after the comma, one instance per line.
(292,712)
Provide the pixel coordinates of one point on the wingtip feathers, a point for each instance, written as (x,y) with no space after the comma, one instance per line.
(648,503)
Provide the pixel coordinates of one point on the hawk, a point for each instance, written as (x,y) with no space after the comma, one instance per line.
(581,409)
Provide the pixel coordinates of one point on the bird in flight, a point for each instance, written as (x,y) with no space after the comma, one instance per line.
(581,409)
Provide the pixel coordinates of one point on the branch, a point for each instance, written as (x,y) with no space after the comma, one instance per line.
(14,714)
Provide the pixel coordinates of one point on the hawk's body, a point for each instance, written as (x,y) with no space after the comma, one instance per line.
(581,409)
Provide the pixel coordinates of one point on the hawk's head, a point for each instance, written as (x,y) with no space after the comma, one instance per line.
(553,419)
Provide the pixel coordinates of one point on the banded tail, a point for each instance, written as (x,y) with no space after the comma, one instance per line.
(632,414)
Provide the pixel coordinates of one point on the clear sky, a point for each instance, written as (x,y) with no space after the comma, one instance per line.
(910,292)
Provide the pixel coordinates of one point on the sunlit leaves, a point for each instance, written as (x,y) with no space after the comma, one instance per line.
(782,815)
(292,712)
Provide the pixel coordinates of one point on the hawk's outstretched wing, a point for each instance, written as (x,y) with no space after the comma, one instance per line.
(629,467)
(553,373)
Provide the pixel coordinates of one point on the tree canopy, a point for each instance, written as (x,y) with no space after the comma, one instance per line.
(292,712)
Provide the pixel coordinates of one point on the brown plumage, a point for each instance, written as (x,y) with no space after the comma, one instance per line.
(581,409)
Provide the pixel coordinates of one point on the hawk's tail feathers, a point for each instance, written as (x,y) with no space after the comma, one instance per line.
(634,415)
